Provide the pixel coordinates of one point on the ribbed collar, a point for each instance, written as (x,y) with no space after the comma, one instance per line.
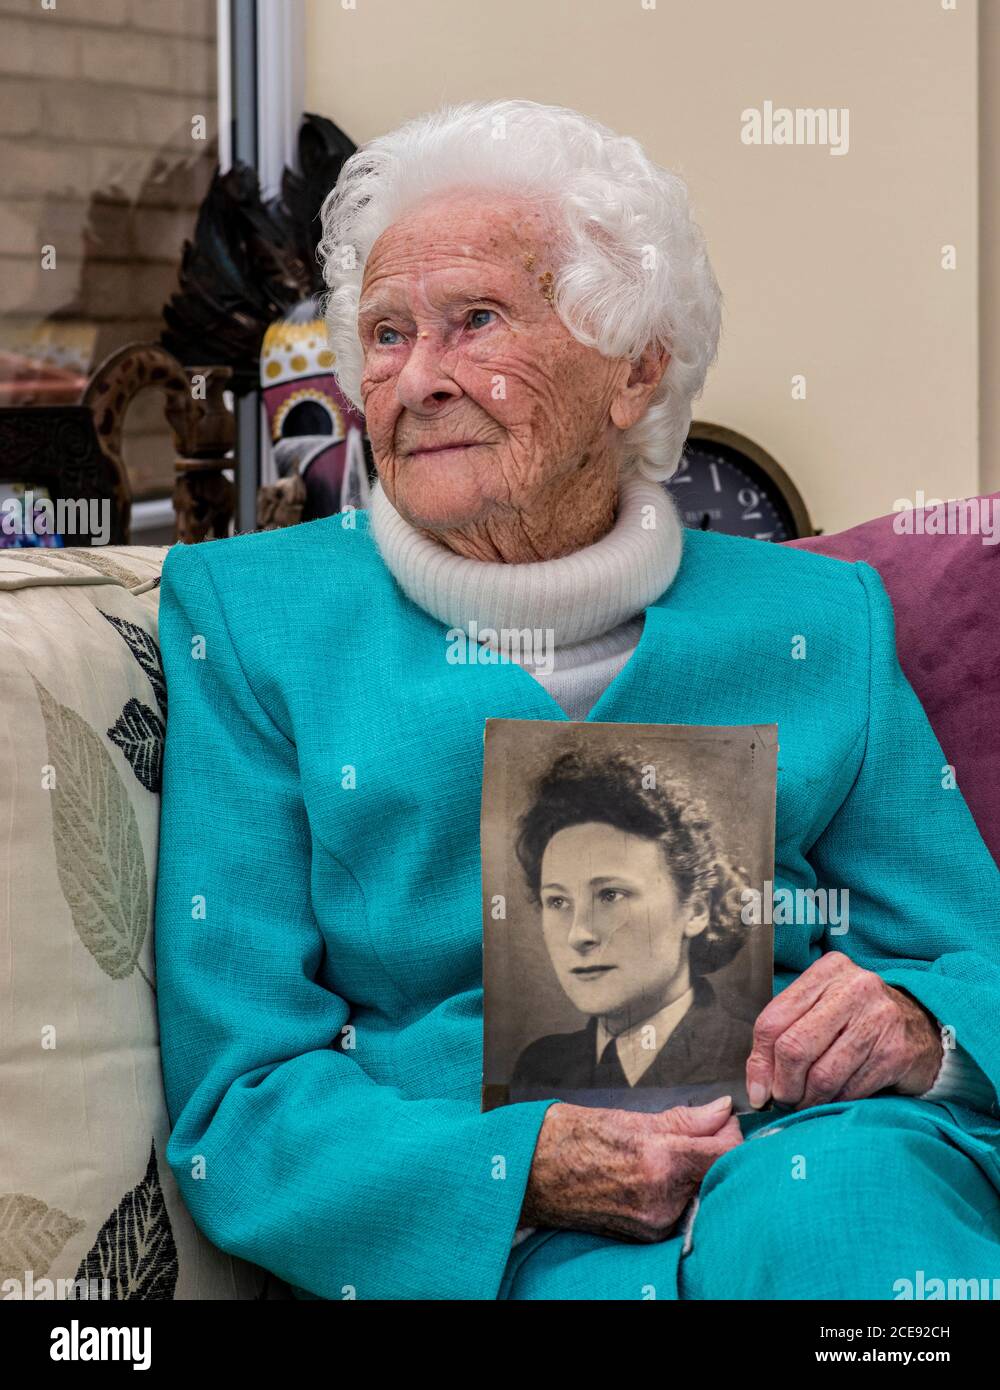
(577,597)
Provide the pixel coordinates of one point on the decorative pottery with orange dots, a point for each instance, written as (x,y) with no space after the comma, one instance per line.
(315,430)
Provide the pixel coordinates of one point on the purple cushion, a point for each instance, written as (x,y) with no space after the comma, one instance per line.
(945,591)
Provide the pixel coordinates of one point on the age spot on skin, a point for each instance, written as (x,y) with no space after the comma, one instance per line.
(545,284)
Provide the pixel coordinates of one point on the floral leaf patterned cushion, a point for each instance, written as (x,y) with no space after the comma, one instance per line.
(135,1249)
(88,1206)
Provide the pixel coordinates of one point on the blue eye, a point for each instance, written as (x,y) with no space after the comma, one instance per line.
(381,340)
(477,313)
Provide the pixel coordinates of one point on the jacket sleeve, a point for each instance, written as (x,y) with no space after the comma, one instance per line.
(286,1153)
(924,904)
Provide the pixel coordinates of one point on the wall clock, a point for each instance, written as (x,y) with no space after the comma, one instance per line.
(726,482)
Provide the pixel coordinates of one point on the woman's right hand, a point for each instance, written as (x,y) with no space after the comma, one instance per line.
(621,1173)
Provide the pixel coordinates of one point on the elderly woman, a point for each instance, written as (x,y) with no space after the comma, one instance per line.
(524,308)
(638,907)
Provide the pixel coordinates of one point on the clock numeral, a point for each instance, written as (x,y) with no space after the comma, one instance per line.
(748,498)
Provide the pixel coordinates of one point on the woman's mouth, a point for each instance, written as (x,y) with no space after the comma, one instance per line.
(591,972)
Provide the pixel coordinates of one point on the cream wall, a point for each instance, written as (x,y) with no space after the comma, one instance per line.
(830,265)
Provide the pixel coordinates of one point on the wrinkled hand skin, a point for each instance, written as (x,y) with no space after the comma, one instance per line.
(839,1032)
(621,1174)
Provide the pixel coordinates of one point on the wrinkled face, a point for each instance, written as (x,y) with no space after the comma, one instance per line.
(616,930)
(477,398)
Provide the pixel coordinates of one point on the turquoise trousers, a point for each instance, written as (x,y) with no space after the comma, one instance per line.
(887,1198)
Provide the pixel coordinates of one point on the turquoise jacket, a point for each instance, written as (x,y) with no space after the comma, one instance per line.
(318,920)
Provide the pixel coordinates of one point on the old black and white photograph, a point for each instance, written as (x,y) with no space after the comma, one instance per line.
(623,962)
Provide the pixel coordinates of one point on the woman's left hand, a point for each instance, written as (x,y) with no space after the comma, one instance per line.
(841,1033)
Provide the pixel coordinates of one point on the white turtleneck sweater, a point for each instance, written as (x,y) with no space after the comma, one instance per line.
(591,604)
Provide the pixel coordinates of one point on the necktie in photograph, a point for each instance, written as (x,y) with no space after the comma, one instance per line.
(608,1071)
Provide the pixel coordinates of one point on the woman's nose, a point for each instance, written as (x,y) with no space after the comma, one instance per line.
(582,933)
(423,381)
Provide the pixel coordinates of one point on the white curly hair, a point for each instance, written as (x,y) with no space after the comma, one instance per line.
(632,269)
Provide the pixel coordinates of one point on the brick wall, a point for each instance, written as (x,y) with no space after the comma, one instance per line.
(99,161)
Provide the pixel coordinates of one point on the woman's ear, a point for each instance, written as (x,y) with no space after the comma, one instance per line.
(696,915)
(628,405)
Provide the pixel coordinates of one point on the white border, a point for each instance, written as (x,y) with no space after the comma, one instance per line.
(224,89)
(281,28)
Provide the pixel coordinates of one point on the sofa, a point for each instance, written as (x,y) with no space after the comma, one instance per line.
(86,1195)
(85,1191)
